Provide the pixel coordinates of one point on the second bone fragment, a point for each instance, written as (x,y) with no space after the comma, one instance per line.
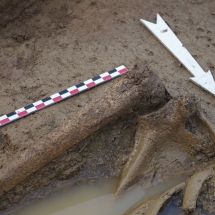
(159,128)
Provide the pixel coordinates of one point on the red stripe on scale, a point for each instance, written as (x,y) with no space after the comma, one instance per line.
(40,106)
(123,70)
(3,121)
(91,84)
(74,91)
(22,113)
(57,99)
(106,77)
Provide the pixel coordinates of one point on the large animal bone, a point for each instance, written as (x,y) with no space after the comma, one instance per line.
(166,124)
(193,187)
(138,89)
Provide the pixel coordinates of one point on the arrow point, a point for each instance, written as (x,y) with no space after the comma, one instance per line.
(205,81)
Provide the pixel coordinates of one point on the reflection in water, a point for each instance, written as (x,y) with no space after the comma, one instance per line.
(173,206)
(93,199)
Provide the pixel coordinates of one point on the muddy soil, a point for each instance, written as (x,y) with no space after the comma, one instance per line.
(47,46)
(102,155)
(206,199)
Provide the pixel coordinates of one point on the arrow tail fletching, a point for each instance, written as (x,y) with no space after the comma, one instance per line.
(161,23)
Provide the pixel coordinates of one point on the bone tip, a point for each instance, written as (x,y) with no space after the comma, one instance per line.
(119,191)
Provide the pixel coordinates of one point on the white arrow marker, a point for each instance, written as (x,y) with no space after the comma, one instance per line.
(174,45)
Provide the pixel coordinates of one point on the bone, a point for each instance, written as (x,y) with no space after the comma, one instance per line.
(153,129)
(193,188)
(159,201)
(152,206)
(139,89)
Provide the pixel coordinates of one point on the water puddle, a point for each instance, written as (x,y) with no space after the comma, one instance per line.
(92,199)
(172,206)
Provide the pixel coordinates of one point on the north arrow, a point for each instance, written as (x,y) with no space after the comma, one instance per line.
(162,31)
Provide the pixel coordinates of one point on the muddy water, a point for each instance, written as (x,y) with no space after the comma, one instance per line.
(93,199)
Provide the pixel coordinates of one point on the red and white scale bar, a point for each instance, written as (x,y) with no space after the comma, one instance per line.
(17,114)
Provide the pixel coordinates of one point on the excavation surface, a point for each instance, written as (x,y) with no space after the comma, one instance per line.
(53,45)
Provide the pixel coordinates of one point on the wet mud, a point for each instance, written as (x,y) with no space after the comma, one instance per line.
(139,90)
(138,148)
(49,45)
(101,155)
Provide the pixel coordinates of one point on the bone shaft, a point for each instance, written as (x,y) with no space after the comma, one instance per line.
(139,89)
